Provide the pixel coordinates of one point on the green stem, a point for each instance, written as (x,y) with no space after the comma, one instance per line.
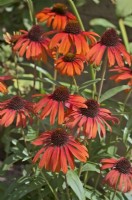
(35,76)
(97,181)
(115,189)
(67,189)
(55,78)
(31,11)
(50,187)
(75,11)
(126,99)
(93,75)
(85,178)
(104,65)
(125,103)
(17,79)
(75,83)
(124,34)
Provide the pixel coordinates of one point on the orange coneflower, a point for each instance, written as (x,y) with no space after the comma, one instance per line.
(124,73)
(120,176)
(70,64)
(91,119)
(32,43)
(3,87)
(58,150)
(16,108)
(55,104)
(57,16)
(73,38)
(110,44)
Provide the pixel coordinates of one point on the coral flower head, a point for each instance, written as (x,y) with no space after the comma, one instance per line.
(16,108)
(120,175)
(123,73)
(32,43)
(57,16)
(58,151)
(54,104)
(70,64)
(91,119)
(109,44)
(73,38)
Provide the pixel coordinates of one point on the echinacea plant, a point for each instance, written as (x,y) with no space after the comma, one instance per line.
(64,126)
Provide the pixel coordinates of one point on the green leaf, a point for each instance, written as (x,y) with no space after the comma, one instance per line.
(91,167)
(22,187)
(88,83)
(123,8)
(39,69)
(9,161)
(6,2)
(111,92)
(101,22)
(128,21)
(76,185)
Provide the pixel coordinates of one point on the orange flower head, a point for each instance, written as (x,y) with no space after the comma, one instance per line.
(70,64)
(72,38)
(54,104)
(3,87)
(90,119)
(121,173)
(110,44)
(57,16)
(124,73)
(58,151)
(16,108)
(32,43)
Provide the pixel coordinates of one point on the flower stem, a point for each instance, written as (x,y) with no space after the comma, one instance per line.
(93,75)
(85,178)
(55,78)
(75,11)
(125,103)
(124,34)
(97,181)
(31,11)
(75,83)
(126,99)
(50,187)
(35,76)
(67,189)
(113,197)
(17,80)
(104,65)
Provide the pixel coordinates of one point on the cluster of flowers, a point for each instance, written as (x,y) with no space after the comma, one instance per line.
(70,48)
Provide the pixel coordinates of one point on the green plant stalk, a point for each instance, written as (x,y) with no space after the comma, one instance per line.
(93,75)
(115,189)
(67,189)
(104,66)
(50,187)
(31,11)
(75,83)
(97,181)
(35,76)
(55,78)
(17,79)
(75,11)
(125,103)
(124,34)
(85,178)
